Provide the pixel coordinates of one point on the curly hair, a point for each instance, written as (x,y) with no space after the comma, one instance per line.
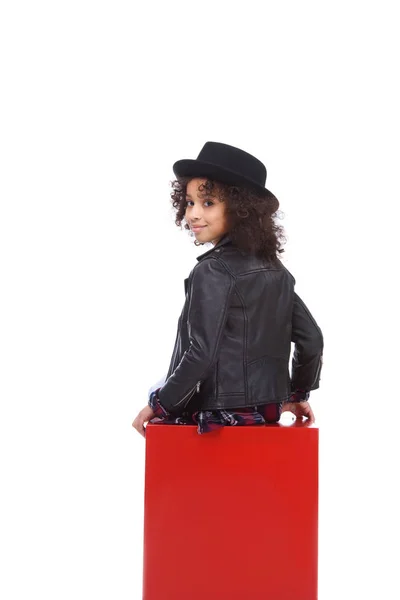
(251,215)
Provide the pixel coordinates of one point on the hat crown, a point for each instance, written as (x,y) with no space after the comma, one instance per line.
(225,164)
(234,159)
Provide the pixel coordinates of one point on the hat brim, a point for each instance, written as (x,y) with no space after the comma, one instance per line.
(198,168)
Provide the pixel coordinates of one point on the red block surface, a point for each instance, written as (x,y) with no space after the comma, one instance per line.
(232,514)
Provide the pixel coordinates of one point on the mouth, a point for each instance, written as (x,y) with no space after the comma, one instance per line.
(197,227)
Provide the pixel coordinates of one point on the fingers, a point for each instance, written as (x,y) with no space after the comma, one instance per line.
(311,417)
(145,415)
(138,424)
(307,411)
(300,410)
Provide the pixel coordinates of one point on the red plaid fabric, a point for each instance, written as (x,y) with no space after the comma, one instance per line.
(209,420)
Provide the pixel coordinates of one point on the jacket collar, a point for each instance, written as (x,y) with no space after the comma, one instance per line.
(222,242)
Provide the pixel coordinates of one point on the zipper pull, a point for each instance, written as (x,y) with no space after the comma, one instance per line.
(198,386)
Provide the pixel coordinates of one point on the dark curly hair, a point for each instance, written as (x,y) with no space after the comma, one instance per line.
(251,215)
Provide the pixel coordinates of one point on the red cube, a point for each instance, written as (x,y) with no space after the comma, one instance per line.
(231,514)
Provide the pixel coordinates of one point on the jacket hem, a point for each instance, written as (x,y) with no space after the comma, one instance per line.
(239,401)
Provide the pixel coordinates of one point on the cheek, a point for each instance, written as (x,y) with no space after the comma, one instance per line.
(223,218)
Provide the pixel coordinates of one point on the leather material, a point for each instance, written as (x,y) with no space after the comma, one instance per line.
(234,335)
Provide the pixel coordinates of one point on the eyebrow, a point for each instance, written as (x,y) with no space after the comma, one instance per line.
(205,196)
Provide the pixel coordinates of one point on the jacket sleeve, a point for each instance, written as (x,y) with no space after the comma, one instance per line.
(157,385)
(210,296)
(308,349)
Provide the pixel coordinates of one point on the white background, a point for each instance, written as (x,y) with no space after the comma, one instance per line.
(98,99)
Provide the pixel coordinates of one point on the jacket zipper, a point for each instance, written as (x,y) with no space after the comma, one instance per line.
(190,394)
(318,375)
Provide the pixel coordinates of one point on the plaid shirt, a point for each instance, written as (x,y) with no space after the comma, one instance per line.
(209,420)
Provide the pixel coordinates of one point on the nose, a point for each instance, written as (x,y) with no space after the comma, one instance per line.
(196,212)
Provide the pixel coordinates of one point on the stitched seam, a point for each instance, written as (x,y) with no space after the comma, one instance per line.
(312,320)
(216,378)
(225,265)
(268,356)
(246,390)
(246,272)
(231,286)
(239,394)
(258,271)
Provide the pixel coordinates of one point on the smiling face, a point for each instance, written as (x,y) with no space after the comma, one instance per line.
(205,214)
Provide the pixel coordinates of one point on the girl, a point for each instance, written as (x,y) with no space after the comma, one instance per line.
(230,364)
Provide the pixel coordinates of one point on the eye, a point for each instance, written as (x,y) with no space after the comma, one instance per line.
(190,203)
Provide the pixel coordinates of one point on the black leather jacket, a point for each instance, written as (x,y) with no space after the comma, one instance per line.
(234,336)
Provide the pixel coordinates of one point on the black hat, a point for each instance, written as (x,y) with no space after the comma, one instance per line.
(227,164)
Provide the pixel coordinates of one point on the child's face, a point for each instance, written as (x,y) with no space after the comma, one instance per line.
(208,214)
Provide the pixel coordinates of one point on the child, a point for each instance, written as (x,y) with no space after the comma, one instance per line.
(230,364)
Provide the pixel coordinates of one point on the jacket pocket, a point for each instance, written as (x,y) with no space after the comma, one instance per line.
(268,379)
(187,397)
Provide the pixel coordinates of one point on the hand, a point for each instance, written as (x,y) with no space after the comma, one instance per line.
(143,417)
(300,409)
